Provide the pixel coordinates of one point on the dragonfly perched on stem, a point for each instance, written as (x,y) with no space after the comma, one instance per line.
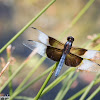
(82,59)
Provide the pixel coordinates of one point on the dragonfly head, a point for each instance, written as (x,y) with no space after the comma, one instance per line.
(70,38)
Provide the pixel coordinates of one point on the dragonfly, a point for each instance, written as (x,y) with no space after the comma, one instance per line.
(82,59)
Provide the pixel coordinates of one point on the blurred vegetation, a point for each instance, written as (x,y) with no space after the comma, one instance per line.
(14,15)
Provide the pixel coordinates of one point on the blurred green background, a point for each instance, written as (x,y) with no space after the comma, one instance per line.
(14,14)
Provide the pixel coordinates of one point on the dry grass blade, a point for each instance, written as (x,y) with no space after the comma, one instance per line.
(5,68)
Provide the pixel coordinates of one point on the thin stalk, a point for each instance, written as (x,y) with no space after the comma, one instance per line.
(23,98)
(81,91)
(30,73)
(10,83)
(13,75)
(10,70)
(86,7)
(58,80)
(45,83)
(64,86)
(82,12)
(89,87)
(26,26)
(28,76)
(18,70)
(68,86)
(31,83)
(94,93)
(4,68)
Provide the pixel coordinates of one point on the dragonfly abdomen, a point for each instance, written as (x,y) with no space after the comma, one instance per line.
(61,62)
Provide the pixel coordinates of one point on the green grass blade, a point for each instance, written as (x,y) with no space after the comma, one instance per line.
(13,75)
(94,93)
(17,71)
(26,26)
(80,14)
(31,83)
(82,91)
(23,98)
(89,87)
(68,86)
(59,79)
(64,86)
(45,83)
(30,73)
(8,50)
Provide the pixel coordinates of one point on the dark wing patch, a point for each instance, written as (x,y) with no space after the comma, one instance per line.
(92,55)
(55,43)
(51,52)
(54,53)
(78,51)
(73,60)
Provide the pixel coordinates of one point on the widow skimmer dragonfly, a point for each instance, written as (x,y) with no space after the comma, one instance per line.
(83,59)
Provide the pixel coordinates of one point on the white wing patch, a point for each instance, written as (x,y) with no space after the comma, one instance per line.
(89,66)
(93,55)
(41,48)
(90,54)
(43,37)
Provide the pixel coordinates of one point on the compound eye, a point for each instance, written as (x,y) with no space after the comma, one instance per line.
(70,38)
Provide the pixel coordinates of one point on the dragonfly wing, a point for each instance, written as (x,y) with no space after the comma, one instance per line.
(92,55)
(73,60)
(78,51)
(51,52)
(47,40)
(87,65)
(81,63)
(41,48)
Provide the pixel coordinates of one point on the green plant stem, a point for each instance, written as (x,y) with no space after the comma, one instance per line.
(23,98)
(86,7)
(26,26)
(31,83)
(16,72)
(68,86)
(9,71)
(10,83)
(64,86)
(27,78)
(82,12)
(13,75)
(30,73)
(94,93)
(81,91)
(16,36)
(45,83)
(89,87)
(58,80)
